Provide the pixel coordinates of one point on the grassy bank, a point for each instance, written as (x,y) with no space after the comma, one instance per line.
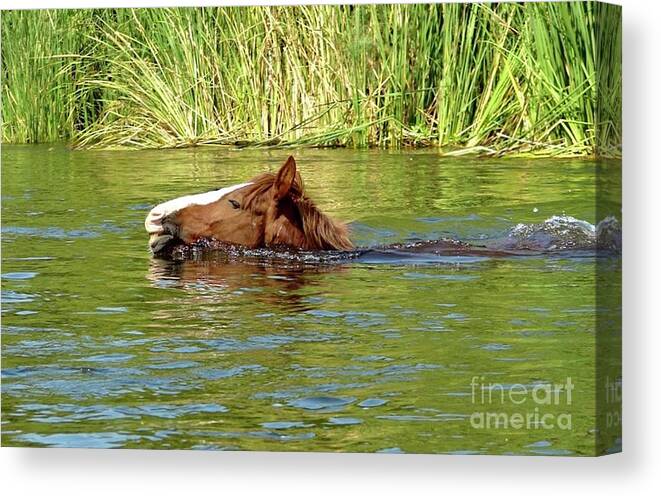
(499,78)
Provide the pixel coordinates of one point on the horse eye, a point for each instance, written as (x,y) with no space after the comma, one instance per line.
(235,204)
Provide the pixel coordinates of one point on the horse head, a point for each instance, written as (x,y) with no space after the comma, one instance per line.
(269,210)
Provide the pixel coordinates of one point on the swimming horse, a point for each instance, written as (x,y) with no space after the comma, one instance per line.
(270,210)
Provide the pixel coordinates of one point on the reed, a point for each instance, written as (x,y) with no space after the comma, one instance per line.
(488,78)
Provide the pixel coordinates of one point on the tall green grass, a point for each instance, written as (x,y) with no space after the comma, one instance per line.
(41,78)
(492,78)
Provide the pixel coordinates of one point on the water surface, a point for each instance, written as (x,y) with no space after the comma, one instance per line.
(103,346)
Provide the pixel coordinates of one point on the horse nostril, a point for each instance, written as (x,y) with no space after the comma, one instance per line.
(169,224)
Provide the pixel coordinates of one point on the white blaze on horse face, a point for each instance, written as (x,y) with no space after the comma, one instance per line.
(156,215)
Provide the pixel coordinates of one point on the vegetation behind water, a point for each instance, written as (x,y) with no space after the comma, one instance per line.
(491,78)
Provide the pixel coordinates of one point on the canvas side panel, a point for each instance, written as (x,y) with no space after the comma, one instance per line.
(608,119)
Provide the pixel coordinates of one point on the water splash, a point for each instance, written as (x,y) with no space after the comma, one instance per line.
(564,232)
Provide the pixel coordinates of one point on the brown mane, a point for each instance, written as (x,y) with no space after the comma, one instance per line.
(319,230)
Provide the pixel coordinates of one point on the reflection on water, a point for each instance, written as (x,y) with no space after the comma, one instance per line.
(104,346)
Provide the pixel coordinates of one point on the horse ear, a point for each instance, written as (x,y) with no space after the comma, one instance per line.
(284,179)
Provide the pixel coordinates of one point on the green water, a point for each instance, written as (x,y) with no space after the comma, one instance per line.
(104,347)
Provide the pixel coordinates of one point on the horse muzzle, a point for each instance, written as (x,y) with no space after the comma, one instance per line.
(159,229)
(159,242)
(161,223)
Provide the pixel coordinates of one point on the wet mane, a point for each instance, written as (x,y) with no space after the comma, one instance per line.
(319,230)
